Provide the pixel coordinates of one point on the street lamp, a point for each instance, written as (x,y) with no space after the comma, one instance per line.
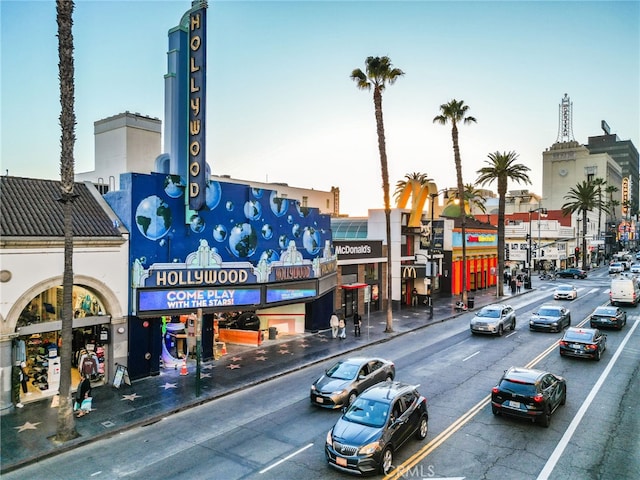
(540,211)
(432,276)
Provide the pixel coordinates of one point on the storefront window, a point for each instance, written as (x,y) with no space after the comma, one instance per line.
(371,272)
(47,306)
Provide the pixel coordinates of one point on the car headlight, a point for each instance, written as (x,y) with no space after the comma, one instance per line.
(339,392)
(313,388)
(329,439)
(369,449)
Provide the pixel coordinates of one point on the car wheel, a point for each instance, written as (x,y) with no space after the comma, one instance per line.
(500,331)
(598,355)
(386,461)
(494,410)
(389,378)
(352,397)
(423,428)
(513,325)
(545,418)
(576,277)
(563,400)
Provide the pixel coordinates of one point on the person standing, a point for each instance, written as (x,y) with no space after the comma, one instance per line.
(334,323)
(342,329)
(357,322)
(414,297)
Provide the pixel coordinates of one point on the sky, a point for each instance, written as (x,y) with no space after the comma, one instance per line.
(281,106)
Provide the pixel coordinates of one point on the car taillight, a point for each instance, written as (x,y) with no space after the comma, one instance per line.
(563,343)
(538,398)
(591,347)
(495,390)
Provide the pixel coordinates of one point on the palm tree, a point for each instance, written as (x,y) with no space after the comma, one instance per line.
(583,198)
(599,183)
(455,112)
(66,427)
(379,73)
(415,186)
(473,199)
(502,167)
(611,203)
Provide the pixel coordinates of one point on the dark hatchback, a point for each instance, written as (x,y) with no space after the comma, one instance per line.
(571,273)
(378,422)
(528,393)
(584,343)
(608,316)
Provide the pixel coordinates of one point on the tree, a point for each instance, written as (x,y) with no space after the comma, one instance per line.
(611,203)
(583,198)
(455,112)
(502,167)
(473,199)
(599,183)
(66,427)
(379,73)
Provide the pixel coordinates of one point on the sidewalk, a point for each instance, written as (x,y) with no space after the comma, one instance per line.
(27,433)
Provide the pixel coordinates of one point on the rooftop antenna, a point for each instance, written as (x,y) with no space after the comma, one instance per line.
(565,128)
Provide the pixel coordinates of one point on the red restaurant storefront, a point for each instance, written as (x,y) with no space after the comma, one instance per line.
(481,255)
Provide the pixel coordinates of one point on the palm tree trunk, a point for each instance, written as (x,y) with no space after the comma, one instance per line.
(66,428)
(502,191)
(463,213)
(584,240)
(384,168)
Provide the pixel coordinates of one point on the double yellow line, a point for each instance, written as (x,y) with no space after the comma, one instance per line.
(417,457)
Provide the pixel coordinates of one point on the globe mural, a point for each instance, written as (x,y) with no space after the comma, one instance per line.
(270,255)
(243,240)
(283,242)
(257,192)
(153,217)
(267,231)
(197,224)
(295,230)
(289,219)
(213,195)
(311,240)
(302,211)
(173,186)
(252,210)
(219,233)
(229,206)
(279,206)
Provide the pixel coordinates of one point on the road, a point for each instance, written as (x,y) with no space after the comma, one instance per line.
(272,432)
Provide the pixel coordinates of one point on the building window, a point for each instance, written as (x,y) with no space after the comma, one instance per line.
(305,201)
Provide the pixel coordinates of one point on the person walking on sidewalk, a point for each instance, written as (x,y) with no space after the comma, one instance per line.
(342,329)
(357,322)
(334,323)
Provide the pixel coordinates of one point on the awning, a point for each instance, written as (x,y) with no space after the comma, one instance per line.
(353,286)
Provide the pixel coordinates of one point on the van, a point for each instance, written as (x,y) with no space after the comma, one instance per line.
(625,289)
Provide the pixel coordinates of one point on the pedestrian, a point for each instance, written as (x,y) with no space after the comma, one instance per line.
(334,323)
(513,285)
(342,329)
(83,396)
(357,323)
(23,378)
(518,285)
(414,297)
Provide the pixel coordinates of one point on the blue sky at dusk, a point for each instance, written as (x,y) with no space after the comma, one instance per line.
(282,108)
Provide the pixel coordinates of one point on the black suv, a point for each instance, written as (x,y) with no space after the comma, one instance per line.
(527,393)
(377,423)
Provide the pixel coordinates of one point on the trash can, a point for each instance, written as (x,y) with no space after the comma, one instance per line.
(273,332)
(471,302)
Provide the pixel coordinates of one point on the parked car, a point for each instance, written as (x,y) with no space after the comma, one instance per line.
(528,393)
(346,379)
(565,292)
(571,273)
(494,319)
(583,342)
(616,267)
(366,437)
(551,318)
(624,289)
(608,316)
(635,268)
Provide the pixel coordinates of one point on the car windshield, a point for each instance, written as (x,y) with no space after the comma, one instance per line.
(343,371)
(518,388)
(368,412)
(605,312)
(489,313)
(549,312)
(578,336)
(565,288)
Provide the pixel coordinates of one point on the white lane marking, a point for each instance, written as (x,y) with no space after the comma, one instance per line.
(471,356)
(564,441)
(512,333)
(286,458)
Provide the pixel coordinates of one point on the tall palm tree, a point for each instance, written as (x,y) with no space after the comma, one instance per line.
(66,427)
(379,73)
(415,186)
(473,199)
(583,198)
(502,167)
(455,112)
(611,203)
(599,183)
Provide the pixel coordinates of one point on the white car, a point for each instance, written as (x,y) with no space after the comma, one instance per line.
(616,267)
(565,292)
(635,268)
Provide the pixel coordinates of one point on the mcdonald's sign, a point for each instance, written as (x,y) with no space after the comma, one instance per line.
(409,272)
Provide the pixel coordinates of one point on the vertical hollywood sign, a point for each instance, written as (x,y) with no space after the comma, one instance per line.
(197,97)
(625,196)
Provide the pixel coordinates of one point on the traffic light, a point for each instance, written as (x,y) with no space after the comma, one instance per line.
(542,253)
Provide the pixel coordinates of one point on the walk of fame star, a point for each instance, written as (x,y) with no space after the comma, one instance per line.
(27,426)
(233,366)
(168,385)
(131,397)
